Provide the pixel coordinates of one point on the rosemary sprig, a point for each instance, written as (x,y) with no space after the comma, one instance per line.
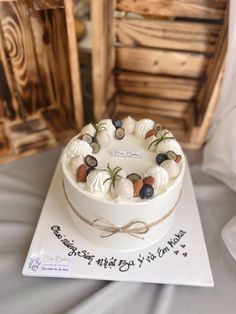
(99,127)
(113,174)
(162,137)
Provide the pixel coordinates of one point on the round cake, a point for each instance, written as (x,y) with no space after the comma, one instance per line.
(122,181)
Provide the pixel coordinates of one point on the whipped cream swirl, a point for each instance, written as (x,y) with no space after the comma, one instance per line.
(160,175)
(96,181)
(142,127)
(78,148)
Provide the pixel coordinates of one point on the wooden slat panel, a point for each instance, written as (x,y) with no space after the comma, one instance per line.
(177,126)
(157,86)
(6,108)
(209,94)
(29,135)
(154,106)
(74,64)
(44,4)
(214,69)
(161,62)
(164,104)
(160,106)
(103,55)
(151,111)
(202,9)
(4,148)
(51,49)
(188,36)
(19,49)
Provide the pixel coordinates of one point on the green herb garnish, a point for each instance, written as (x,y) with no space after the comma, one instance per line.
(162,137)
(113,174)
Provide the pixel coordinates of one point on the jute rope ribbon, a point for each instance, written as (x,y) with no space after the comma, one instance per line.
(134,228)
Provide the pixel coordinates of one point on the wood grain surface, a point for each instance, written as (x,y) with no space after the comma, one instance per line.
(202,9)
(157,61)
(44,4)
(103,55)
(157,86)
(189,36)
(36,104)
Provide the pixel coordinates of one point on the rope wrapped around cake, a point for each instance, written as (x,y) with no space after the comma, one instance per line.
(135,228)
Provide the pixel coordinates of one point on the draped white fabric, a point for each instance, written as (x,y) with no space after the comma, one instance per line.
(220,151)
(23,188)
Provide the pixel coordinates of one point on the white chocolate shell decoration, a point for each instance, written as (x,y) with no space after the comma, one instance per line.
(78,148)
(148,142)
(88,129)
(74,163)
(142,127)
(128,124)
(123,188)
(104,139)
(123,173)
(96,181)
(108,126)
(169,145)
(172,168)
(160,175)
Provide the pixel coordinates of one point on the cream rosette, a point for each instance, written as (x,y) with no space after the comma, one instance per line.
(169,145)
(160,175)
(97,181)
(78,148)
(128,124)
(142,127)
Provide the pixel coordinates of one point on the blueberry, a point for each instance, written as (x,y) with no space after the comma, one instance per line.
(87,138)
(91,161)
(117,123)
(95,147)
(120,133)
(171,155)
(160,158)
(133,177)
(90,169)
(147,191)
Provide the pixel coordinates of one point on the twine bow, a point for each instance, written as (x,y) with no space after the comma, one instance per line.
(110,228)
(133,228)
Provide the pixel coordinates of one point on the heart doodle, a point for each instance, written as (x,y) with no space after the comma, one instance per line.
(176,252)
(183,245)
(185,254)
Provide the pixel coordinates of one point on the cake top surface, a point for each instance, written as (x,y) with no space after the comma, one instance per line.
(123,160)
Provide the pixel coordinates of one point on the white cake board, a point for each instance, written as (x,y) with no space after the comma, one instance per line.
(180,257)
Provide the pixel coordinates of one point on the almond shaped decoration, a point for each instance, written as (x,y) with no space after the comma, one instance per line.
(137,187)
(151,133)
(178,158)
(148,180)
(81,173)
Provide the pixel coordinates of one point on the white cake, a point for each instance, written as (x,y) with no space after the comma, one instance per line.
(102,204)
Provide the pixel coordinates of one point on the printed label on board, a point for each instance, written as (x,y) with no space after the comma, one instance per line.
(50,262)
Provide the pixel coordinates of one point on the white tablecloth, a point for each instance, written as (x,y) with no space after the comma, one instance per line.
(23,187)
